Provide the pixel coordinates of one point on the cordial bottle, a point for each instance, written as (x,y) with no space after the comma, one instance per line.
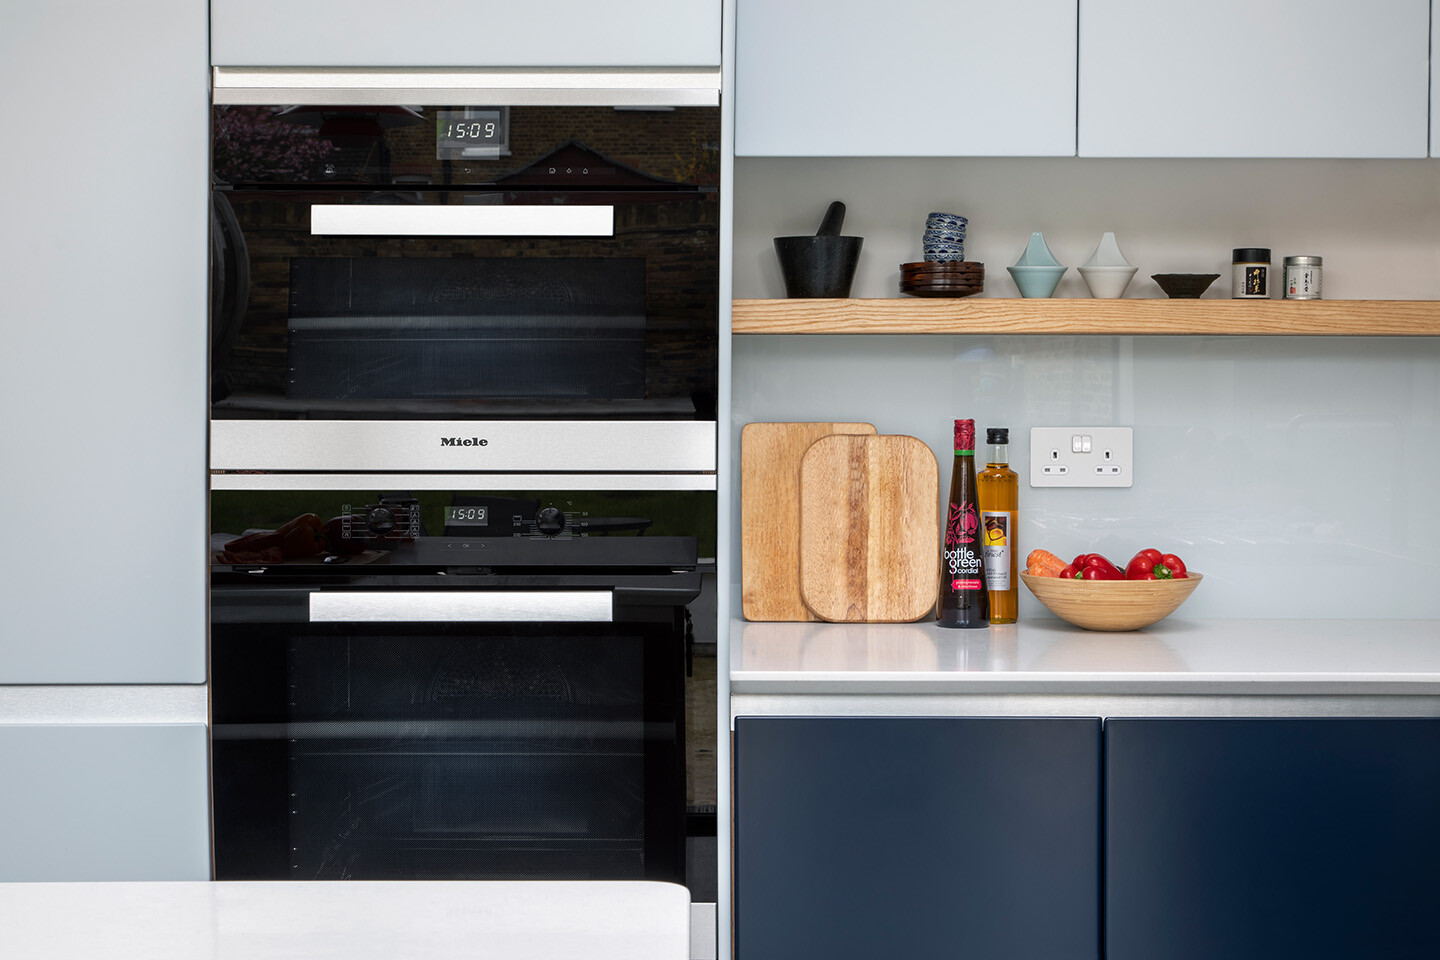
(999,491)
(964,599)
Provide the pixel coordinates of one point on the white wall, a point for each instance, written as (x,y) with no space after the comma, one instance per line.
(1297,473)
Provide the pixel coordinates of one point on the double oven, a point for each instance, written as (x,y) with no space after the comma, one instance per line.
(463,372)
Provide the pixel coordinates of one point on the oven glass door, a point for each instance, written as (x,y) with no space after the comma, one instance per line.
(459,263)
(449,750)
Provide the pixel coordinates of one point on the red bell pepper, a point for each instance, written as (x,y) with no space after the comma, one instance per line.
(1151,564)
(1092,566)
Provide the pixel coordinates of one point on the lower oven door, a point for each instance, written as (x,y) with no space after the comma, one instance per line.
(392,748)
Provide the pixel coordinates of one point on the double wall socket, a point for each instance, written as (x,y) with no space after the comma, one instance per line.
(1082,456)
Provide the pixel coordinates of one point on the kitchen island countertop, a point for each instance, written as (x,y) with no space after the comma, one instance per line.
(353,920)
(1354,666)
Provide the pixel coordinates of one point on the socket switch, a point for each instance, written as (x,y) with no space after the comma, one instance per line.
(1082,456)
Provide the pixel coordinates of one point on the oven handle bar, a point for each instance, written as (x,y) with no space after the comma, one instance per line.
(343,219)
(468,606)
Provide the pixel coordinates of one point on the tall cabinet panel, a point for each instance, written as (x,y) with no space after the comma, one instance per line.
(104,802)
(1259,838)
(1434,81)
(864,837)
(1234,78)
(465,33)
(102,375)
(818,78)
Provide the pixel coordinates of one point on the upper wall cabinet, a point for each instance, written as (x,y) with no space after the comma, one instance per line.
(465,33)
(1235,78)
(818,78)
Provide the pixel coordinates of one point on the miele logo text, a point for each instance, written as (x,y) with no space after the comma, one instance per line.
(464,442)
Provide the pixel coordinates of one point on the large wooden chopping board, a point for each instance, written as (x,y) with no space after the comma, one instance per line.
(770,455)
(869,529)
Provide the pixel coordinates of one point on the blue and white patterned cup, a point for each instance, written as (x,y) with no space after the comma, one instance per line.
(943,236)
(947,221)
(945,254)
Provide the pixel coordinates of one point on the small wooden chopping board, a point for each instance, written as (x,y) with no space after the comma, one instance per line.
(770,455)
(869,529)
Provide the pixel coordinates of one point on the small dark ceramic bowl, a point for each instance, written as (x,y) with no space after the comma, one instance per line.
(1184,286)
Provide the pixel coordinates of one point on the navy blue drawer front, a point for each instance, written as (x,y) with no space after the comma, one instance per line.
(917,837)
(1268,838)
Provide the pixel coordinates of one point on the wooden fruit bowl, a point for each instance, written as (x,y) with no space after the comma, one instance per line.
(1111,604)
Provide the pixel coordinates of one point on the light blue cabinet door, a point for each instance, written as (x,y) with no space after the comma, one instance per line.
(1235,78)
(856,78)
(104,259)
(104,802)
(465,33)
(1434,83)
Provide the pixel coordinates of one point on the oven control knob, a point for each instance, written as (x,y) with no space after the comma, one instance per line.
(549,521)
(380,520)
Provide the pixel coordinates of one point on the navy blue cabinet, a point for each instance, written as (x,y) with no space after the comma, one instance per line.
(1251,838)
(917,837)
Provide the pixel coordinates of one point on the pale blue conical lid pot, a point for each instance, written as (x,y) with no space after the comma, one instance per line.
(1037,273)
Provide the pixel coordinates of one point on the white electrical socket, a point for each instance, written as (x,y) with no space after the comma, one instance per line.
(1082,456)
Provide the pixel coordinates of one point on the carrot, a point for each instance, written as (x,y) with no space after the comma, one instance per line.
(1043,563)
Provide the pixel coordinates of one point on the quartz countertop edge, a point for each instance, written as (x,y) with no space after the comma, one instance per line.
(1203,657)
(781,682)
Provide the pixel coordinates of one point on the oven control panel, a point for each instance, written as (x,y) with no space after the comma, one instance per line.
(473,515)
(392,518)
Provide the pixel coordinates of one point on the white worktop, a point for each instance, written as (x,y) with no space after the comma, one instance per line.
(1225,657)
(345,920)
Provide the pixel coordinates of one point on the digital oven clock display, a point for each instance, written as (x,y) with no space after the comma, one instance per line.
(477,132)
(466,517)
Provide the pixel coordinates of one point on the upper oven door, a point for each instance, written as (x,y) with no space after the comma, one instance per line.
(550,269)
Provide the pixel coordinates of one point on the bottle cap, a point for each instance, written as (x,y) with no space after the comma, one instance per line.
(1251,255)
(964,436)
(997,435)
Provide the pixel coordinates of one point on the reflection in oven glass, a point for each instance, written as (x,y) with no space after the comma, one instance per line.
(426,757)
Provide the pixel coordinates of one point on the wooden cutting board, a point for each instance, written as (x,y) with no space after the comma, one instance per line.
(770,455)
(869,529)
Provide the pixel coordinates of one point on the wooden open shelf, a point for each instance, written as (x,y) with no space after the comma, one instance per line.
(1325,318)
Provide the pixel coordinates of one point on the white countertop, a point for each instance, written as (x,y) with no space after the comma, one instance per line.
(345,920)
(1336,657)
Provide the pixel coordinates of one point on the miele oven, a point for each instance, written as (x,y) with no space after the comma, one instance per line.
(467,683)
(465,270)
(464,368)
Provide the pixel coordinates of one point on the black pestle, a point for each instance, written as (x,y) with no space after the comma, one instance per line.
(834,219)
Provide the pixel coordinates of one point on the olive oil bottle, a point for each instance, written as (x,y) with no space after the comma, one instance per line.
(999,494)
(964,601)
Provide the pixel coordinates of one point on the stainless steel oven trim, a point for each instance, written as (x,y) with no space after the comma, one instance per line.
(561,87)
(469,606)
(339,219)
(422,446)
(463,481)
(105,703)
